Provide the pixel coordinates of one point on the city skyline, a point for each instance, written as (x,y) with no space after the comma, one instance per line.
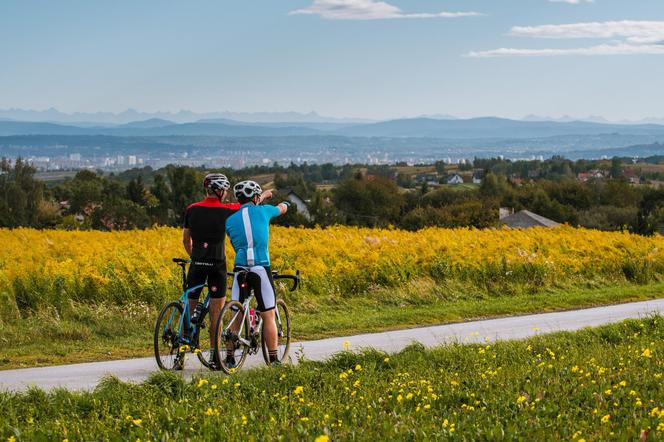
(340,58)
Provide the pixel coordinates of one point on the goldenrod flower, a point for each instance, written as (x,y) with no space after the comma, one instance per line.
(298,390)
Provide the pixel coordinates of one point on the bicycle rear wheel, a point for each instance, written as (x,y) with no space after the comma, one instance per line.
(231,326)
(204,344)
(167,336)
(282,318)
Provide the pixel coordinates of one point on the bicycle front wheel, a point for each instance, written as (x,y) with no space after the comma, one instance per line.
(231,330)
(282,318)
(167,336)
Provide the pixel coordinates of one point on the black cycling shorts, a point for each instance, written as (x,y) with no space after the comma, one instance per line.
(259,279)
(212,272)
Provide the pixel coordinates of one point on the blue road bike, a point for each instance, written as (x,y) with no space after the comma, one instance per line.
(175,335)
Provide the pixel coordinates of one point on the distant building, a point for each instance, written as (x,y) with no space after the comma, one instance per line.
(515,179)
(526,219)
(131,160)
(591,175)
(455,179)
(504,212)
(478,176)
(298,202)
(430,179)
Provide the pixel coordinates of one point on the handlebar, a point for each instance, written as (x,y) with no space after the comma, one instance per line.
(275,275)
(295,278)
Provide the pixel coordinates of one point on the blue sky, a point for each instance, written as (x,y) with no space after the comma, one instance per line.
(352,58)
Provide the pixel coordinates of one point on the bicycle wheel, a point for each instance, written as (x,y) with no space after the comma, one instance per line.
(204,346)
(231,326)
(167,337)
(282,318)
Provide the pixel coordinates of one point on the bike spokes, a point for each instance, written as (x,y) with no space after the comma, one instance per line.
(232,337)
(168,344)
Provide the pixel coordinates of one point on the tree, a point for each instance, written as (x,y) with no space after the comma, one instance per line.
(616,170)
(162,193)
(20,194)
(186,187)
(86,191)
(369,202)
(136,190)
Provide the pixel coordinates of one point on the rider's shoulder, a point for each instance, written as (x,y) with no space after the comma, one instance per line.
(214,204)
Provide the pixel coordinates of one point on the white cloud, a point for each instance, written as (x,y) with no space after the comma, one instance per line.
(369,10)
(606,49)
(638,32)
(572,2)
(633,37)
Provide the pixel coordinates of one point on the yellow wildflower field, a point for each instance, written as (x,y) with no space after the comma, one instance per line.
(51,267)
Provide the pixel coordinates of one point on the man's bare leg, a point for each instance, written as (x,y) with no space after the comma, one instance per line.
(216,304)
(270,333)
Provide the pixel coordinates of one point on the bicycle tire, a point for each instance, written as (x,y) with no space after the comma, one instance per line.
(283,333)
(168,339)
(226,317)
(203,353)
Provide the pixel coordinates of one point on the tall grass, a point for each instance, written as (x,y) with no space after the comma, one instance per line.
(59,269)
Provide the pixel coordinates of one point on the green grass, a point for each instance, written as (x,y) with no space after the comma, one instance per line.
(84,332)
(596,384)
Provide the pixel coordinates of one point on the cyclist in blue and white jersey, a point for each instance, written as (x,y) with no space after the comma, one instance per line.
(249,232)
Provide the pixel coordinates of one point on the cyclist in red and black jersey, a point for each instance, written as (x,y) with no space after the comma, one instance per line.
(203,236)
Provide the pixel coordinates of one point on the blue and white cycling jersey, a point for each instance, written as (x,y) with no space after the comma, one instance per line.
(249,232)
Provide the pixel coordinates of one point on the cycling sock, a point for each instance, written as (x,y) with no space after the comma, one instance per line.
(273,355)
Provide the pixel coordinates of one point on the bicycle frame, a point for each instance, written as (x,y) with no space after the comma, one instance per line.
(185,323)
(246,306)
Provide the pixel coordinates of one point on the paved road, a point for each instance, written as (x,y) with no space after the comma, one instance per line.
(86,376)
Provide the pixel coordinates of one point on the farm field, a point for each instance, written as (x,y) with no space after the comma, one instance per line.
(83,296)
(518,390)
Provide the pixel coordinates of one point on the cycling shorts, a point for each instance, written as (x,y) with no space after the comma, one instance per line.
(212,272)
(259,279)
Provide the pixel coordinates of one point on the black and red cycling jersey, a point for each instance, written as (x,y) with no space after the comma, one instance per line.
(206,221)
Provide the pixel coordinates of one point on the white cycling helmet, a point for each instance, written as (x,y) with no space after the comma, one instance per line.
(247,189)
(216,182)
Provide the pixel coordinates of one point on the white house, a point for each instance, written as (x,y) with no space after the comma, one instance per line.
(299,203)
(455,179)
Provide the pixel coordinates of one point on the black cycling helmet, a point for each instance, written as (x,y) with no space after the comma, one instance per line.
(216,182)
(247,189)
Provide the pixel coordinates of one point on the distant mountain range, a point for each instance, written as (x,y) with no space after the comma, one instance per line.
(53,115)
(129,116)
(462,129)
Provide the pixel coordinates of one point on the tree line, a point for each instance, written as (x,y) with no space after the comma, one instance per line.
(351,194)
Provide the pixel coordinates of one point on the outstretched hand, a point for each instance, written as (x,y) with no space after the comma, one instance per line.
(266,195)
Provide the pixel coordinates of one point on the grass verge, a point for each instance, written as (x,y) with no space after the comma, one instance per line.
(91,332)
(596,384)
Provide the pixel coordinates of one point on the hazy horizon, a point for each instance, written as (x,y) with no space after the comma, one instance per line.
(273,116)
